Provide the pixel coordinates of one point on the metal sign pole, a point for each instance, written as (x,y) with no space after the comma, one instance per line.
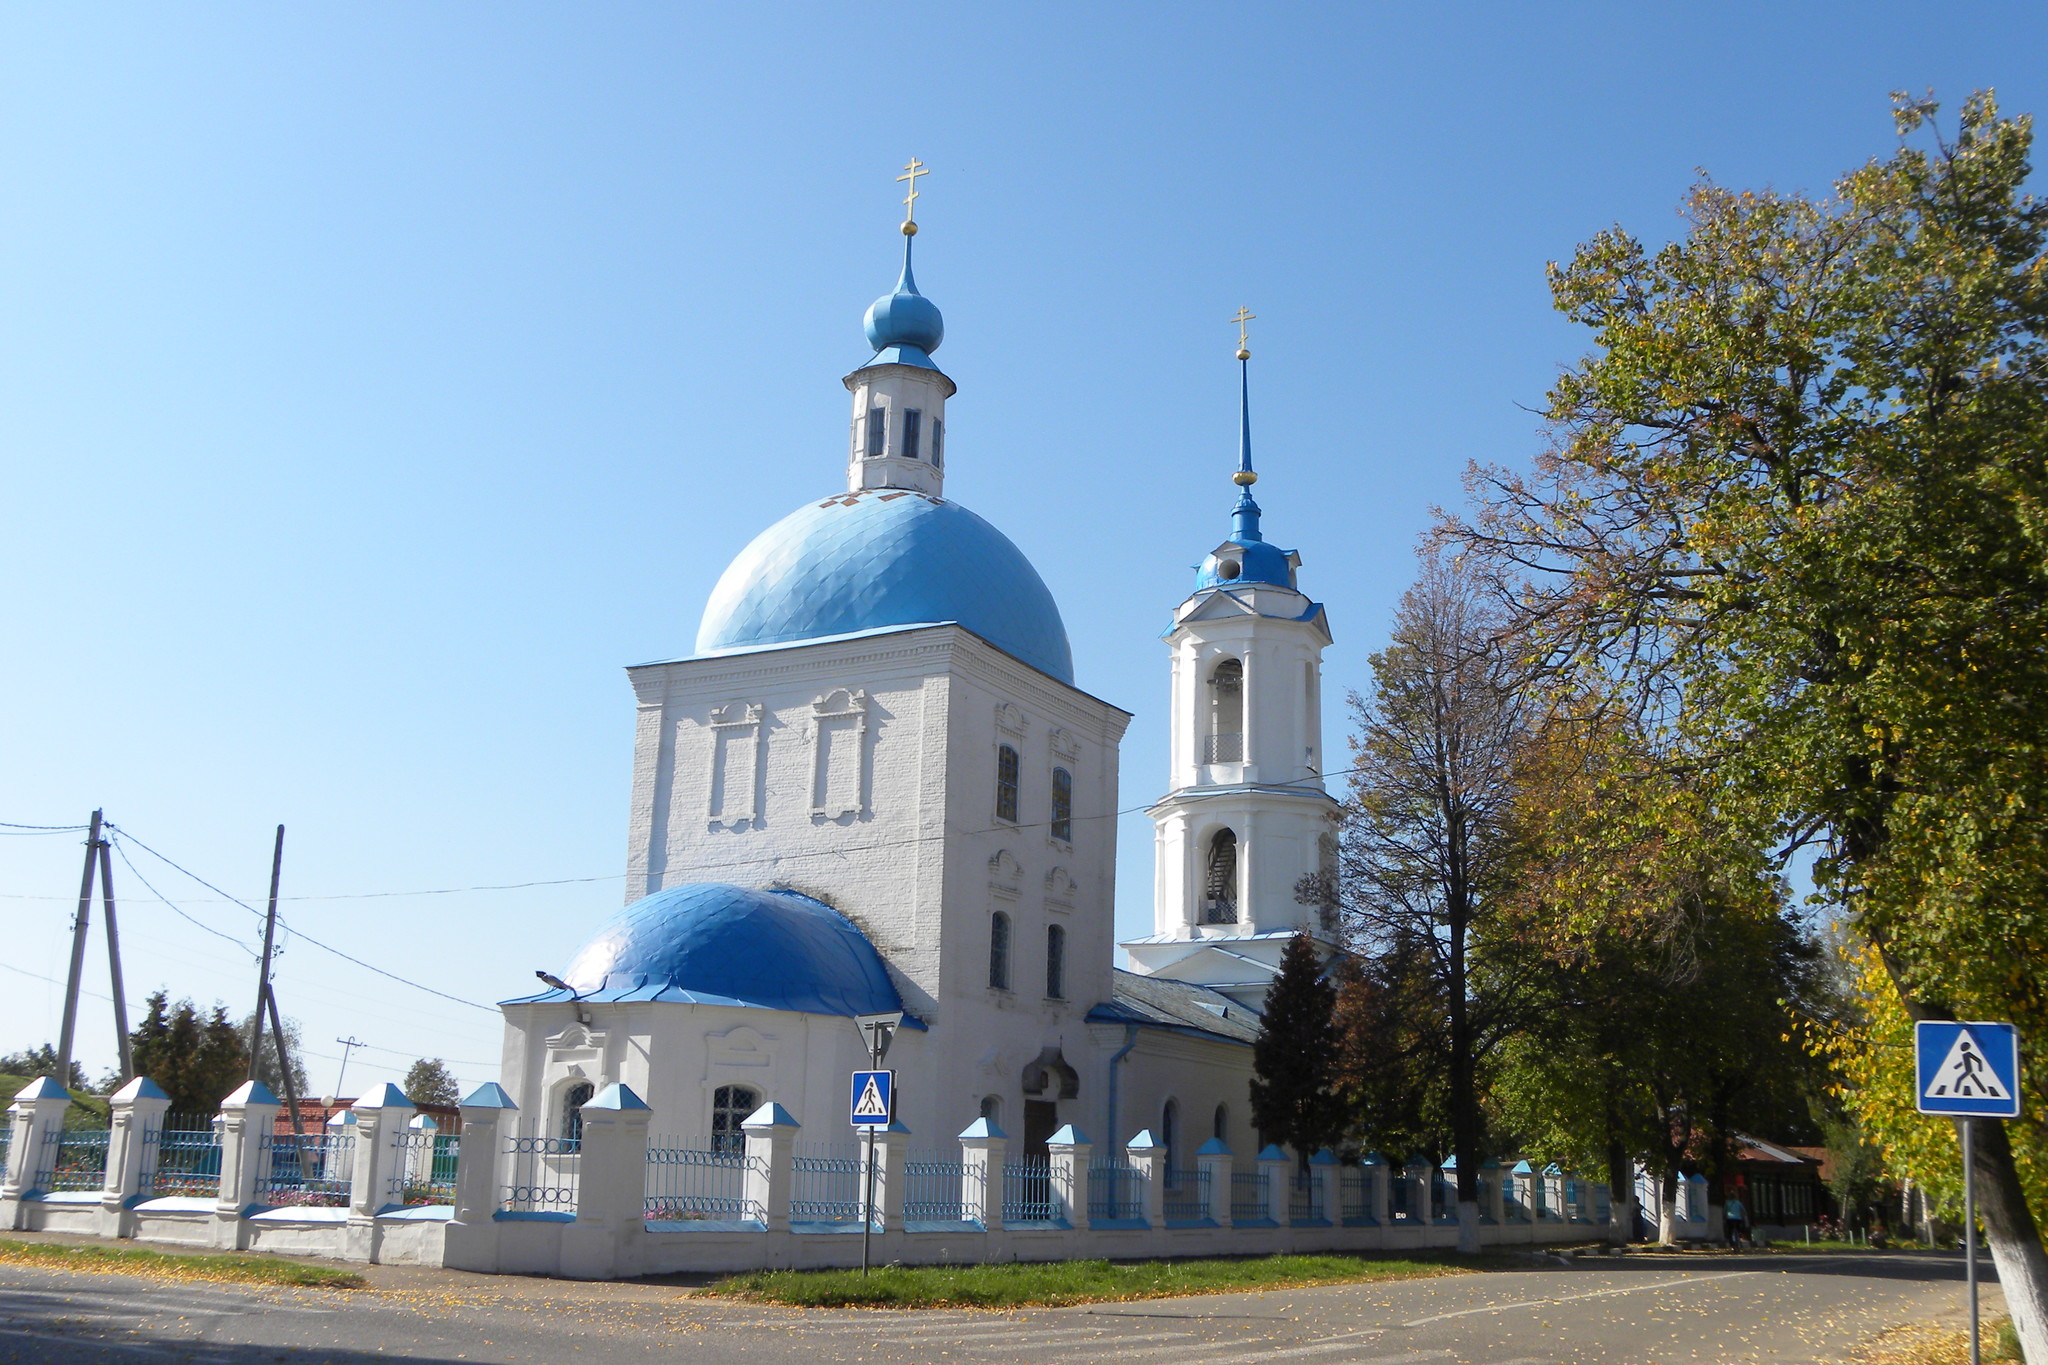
(867,1203)
(1970,1235)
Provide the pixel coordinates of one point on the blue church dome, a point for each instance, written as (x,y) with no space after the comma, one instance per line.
(708,943)
(903,325)
(885,557)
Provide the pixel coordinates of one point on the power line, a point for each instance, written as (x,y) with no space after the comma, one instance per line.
(328,947)
(130,865)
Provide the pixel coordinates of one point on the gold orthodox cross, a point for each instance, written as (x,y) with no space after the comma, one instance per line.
(915,169)
(1244,315)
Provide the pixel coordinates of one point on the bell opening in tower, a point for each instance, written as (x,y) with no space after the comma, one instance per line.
(1225,742)
(1219,887)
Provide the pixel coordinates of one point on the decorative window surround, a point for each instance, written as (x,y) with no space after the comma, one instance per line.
(733,795)
(839,729)
(1005,875)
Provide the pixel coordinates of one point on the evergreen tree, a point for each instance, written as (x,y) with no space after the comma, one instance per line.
(40,1061)
(198,1061)
(1293,1090)
(430,1082)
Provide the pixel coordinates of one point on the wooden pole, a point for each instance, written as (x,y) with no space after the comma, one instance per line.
(78,928)
(114,961)
(284,1060)
(263,974)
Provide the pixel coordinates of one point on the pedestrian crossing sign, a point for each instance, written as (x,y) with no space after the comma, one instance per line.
(874,1098)
(1969,1070)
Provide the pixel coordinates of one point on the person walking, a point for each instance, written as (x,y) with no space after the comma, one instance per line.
(1735,1221)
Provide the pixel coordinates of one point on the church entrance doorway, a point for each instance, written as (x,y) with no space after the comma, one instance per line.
(1041,1121)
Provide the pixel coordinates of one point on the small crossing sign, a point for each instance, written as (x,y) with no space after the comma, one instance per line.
(874,1099)
(1969,1070)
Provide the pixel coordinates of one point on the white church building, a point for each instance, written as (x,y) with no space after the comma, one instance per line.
(874,784)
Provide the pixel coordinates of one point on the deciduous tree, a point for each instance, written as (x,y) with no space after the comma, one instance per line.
(1796,523)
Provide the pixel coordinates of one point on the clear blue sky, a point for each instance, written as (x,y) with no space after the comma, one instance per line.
(376,380)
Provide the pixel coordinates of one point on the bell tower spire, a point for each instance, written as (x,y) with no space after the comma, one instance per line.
(899,396)
(1246,818)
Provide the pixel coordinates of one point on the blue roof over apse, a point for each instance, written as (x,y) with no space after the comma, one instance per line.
(707,943)
(885,557)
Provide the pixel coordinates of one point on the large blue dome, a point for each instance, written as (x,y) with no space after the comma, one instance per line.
(708,943)
(885,557)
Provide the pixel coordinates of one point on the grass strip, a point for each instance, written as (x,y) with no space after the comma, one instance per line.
(1055,1284)
(1940,1346)
(166,1265)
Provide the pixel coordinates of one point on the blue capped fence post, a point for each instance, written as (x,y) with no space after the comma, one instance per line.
(1213,1159)
(771,1153)
(1328,1176)
(1278,1168)
(1070,1150)
(1379,1197)
(603,1242)
(137,1110)
(471,1238)
(38,1116)
(1421,1190)
(1148,1159)
(983,1149)
(892,1150)
(245,1123)
(377,1164)
(1494,1205)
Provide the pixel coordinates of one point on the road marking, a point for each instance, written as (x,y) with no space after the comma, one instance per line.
(1709,1278)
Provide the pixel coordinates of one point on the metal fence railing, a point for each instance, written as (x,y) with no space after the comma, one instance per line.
(1248,1197)
(690,1181)
(305,1170)
(1116,1189)
(542,1173)
(76,1159)
(1305,1198)
(1186,1197)
(826,1183)
(934,1188)
(427,1159)
(1027,1192)
(181,1157)
(1354,1196)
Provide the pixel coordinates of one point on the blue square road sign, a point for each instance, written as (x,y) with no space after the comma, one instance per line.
(874,1099)
(1967,1070)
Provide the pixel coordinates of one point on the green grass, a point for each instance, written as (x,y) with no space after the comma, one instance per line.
(1055,1284)
(165,1265)
(81,1104)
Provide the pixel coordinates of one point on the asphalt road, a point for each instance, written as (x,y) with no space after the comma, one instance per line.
(1641,1310)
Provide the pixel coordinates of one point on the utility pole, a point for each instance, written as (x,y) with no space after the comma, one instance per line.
(263,975)
(284,1063)
(114,962)
(78,927)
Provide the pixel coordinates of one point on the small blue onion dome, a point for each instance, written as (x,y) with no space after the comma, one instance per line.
(905,317)
(708,943)
(885,557)
(1246,561)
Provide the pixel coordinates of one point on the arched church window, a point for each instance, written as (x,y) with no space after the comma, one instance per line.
(1222,1122)
(1169,1138)
(1055,962)
(1219,884)
(1226,713)
(1006,783)
(999,951)
(878,419)
(730,1107)
(938,444)
(912,421)
(992,1110)
(1063,805)
(573,1100)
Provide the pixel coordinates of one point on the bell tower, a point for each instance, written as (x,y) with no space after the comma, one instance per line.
(899,397)
(1246,818)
